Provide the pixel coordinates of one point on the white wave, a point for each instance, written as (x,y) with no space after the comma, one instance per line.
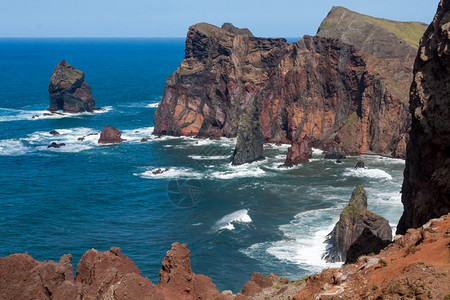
(245,170)
(205,157)
(317,151)
(135,135)
(7,114)
(303,242)
(13,147)
(171,173)
(226,222)
(370,173)
(152,105)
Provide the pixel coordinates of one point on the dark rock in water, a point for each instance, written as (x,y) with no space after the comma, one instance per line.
(352,221)
(68,90)
(144,140)
(159,171)
(339,161)
(298,153)
(426,184)
(360,164)
(55,145)
(365,244)
(109,135)
(233,29)
(81,138)
(54,132)
(249,143)
(335,152)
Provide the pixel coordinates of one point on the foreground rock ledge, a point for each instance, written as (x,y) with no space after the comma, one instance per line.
(68,91)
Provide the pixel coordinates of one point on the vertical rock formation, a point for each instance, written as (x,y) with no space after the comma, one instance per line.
(426,184)
(298,153)
(68,90)
(250,142)
(320,87)
(352,222)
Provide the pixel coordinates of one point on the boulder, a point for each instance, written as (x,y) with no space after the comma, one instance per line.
(53,132)
(352,221)
(298,152)
(110,135)
(360,165)
(249,142)
(55,145)
(426,183)
(69,91)
(366,243)
(335,152)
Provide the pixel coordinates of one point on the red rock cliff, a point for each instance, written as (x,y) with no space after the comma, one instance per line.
(320,87)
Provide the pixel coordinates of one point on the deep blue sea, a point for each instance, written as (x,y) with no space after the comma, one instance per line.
(235,220)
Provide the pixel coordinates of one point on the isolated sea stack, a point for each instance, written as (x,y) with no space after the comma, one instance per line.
(68,90)
(298,152)
(352,222)
(426,184)
(319,86)
(249,142)
(110,135)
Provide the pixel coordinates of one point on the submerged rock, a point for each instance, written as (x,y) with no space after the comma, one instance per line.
(53,132)
(159,171)
(110,135)
(335,152)
(360,165)
(298,153)
(352,221)
(68,90)
(249,143)
(426,184)
(55,145)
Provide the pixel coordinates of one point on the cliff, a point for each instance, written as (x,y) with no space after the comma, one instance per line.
(320,87)
(69,91)
(426,184)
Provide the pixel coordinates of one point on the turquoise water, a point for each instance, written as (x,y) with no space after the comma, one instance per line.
(235,220)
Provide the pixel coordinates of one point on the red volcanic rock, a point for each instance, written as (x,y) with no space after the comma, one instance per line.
(110,135)
(426,184)
(68,90)
(320,87)
(103,274)
(22,277)
(177,281)
(298,152)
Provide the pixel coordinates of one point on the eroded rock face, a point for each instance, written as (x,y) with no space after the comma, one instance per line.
(426,184)
(320,87)
(298,152)
(242,31)
(352,221)
(69,91)
(249,142)
(366,243)
(110,135)
(23,277)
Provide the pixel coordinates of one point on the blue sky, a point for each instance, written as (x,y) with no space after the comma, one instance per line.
(171,18)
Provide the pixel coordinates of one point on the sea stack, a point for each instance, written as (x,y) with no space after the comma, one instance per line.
(426,183)
(299,152)
(110,135)
(68,91)
(352,222)
(249,143)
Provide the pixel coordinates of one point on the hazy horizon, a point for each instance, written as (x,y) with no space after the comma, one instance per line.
(171,19)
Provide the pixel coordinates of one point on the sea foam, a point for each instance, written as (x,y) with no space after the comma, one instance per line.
(370,173)
(226,222)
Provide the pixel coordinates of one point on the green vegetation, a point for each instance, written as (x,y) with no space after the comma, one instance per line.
(350,120)
(382,262)
(410,250)
(447,297)
(352,211)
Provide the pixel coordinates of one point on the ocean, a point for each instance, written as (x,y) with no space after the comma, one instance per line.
(235,220)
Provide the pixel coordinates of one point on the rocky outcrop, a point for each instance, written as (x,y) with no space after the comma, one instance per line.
(426,184)
(298,153)
(366,243)
(23,277)
(233,29)
(69,91)
(335,152)
(249,143)
(352,221)
(320,87)
(110,135)
(415,266)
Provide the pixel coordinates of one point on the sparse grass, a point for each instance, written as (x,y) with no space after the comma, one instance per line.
(410,250)
(352,211)
(350,120)
(382,263)
(447,297)
(374,288)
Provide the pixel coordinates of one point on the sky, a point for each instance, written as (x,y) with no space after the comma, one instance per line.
(172,18)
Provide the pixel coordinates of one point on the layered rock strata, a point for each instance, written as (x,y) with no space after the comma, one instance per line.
(69,91)
(320,87)
(426,184)
(352,222)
